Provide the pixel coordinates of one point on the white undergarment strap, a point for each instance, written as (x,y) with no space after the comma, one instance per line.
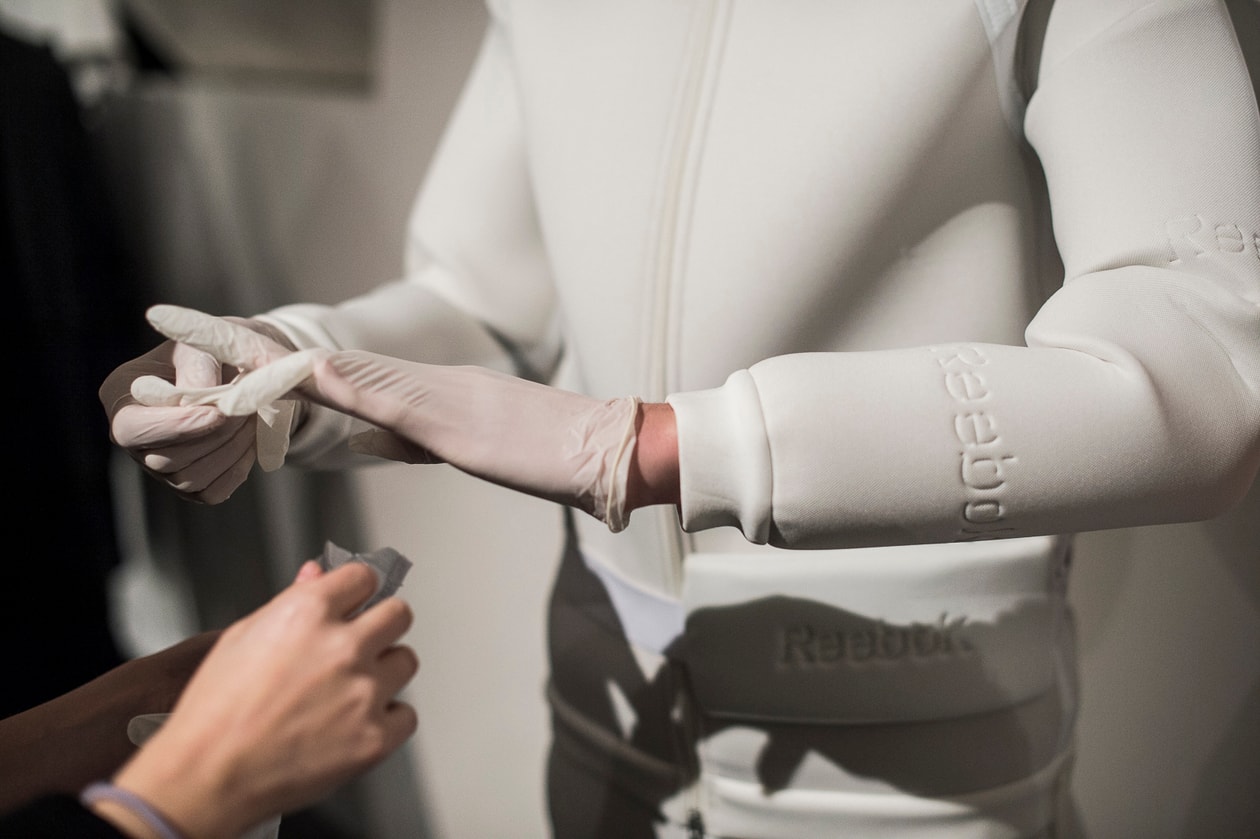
(1001,24)
(997,14)
(650,620)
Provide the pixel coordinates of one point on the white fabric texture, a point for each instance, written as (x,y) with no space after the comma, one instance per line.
(882,317)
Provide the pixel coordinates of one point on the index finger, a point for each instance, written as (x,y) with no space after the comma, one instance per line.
(229,342)
(346,588)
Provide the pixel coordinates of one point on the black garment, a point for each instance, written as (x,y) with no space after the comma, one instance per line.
(70,309)
(56,817)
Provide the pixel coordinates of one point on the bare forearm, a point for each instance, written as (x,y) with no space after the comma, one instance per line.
(81,736)
(63,744)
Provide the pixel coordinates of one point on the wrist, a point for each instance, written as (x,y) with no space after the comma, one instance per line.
(128,812)
(192,793)
(653,476)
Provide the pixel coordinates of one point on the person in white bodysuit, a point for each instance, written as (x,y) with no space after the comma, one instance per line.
(910,291)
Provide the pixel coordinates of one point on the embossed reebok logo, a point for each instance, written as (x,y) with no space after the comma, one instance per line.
(805,647)
(1193,237)
(984,458)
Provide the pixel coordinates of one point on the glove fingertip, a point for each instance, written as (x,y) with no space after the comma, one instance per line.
(154,391)
(273,434)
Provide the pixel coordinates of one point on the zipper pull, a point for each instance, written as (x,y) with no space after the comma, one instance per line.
(695,825)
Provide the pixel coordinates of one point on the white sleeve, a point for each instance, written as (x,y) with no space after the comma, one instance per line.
(476,288)
(1137,397)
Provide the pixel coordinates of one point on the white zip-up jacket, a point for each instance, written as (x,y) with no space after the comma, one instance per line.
(928,283)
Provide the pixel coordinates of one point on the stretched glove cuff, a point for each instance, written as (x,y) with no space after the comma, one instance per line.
(615,514)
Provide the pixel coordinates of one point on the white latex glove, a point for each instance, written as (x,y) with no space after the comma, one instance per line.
(546,442)
(174,426)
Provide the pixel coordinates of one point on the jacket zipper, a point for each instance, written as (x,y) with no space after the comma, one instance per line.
(666,272)
(666,265)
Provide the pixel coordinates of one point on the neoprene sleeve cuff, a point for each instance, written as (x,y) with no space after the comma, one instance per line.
(724,470)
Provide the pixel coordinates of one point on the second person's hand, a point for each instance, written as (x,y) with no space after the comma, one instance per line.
(292,701)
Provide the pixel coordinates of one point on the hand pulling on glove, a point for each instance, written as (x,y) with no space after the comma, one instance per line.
(546,442)
(172,426)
